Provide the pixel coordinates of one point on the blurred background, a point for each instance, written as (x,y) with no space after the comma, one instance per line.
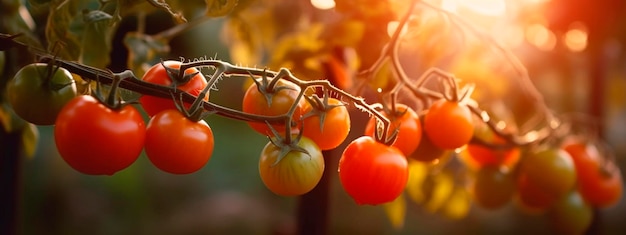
(573,51)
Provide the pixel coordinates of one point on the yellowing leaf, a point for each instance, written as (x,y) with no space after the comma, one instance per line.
(443,188)
(30,137)
(417,174)
(217,8)
(396,211)
(458,205)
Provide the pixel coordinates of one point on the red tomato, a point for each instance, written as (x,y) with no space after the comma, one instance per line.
(281,100)
(410,128)
(482,156)
(448,124)
(96,140)
(335,128)
(532,198)
(177,145)
(371,172)
(599,181)
(158,75)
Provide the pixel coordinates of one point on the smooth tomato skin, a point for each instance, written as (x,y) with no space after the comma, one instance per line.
(570,214)
(96,140)
(492,188)
(254,102)
(158,75)
(36,99)
(177,145)
(600,185)
(550,170)
(448,124)
(335,129)
(295,174)
(479,156)
(410,129)
(372,173)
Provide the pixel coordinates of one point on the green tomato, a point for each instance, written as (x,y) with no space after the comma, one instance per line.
(571,214)
(37,92)
(296,173)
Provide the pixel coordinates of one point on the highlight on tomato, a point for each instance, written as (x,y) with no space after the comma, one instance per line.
(372,173)
(599,179)
(158,74)
(408,124)
(267,100)
(97,140)
(294,172)
(38,92)
(329,124)
(449,124)
(176,144)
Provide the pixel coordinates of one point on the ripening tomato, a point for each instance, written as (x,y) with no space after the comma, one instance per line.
(492,187)
(296,173)
(448,124)
(281,99)
(38,92)
(531,197)
(372,173)
(335,128)
(176,144)
(599,180)
(570,214)
(409,125)
(551,170)
(97,140)
(158,75)
(479,156)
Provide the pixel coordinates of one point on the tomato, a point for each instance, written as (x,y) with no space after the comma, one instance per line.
(335,128)
(408,123)
(552,170)
(37,96)
(570,214)
(97,140)
(532,198)
(599,181)
(296,173)
(158,75)
(481,156)
(176,144)
(448,124)
(492,188)
(371,172)
(280,101)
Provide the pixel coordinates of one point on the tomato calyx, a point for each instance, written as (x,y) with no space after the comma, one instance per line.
(286,144)
(177,75)
(268,87)
(320,107)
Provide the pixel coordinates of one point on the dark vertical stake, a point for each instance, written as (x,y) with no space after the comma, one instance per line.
(313,206)
(9,181)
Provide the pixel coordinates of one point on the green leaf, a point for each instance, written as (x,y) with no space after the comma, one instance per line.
(30,137)
(218,8)
(144,50)
(95,16)
(96,41)
(58,29)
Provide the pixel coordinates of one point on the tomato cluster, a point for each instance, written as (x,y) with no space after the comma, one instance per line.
(101,137)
